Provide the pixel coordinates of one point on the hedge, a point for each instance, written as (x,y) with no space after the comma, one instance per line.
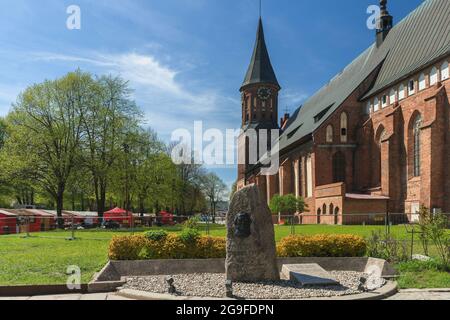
(173,246)
(140,247)
(322,246)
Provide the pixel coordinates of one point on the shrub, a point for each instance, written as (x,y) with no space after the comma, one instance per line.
(434,228)
(127,247)
(190,245)
(192,223)
(156,235)
(173,246)
(189,236)
(322,246)
(383,246)
(211,248)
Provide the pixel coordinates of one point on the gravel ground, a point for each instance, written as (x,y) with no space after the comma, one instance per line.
(213,286)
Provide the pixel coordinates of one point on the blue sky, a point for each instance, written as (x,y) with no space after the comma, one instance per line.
(185,59)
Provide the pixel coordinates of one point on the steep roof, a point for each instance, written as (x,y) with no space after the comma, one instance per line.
(260,69)
(420,38)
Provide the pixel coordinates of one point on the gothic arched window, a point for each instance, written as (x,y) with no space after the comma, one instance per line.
(392,96)
(339,167)
(401,92)
(444,71)
(433,76)
(417,141)
(422,82)
(376,104)
(330,134)
(344,127)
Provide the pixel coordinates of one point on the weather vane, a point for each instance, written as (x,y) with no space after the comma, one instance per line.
(287,110)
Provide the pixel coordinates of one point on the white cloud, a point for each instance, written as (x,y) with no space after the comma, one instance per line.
(168,102)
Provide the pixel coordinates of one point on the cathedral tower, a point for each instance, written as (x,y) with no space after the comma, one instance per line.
(259,94)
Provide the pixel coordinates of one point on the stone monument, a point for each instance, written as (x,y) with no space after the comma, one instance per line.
(251,250)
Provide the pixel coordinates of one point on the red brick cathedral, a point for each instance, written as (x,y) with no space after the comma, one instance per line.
(376,137)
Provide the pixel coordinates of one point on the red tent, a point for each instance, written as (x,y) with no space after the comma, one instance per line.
(119,215)
(167,218)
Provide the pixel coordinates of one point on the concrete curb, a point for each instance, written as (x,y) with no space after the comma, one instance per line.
(39,290)
(388,290)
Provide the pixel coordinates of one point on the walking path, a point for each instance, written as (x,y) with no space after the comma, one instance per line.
(93,296)
(427,294)
(411,294)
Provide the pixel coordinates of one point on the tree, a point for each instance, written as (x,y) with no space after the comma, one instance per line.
(45,131)
(233,190)
(213,188)
(187,193)
(2,132)
(289,205)
(108,118)
(148,169)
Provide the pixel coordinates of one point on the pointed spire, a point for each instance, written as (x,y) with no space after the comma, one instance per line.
(385,22)
(260,69)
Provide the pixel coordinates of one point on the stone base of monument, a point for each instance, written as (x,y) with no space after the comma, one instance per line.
(308,275)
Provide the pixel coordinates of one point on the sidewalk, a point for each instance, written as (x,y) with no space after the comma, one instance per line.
(425,294)
(411,294)
(92,297)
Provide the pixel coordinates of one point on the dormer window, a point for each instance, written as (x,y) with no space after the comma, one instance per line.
(411,87)
(444,71)
(376,105)
(392,96)
(401,92)
(422,82)
(433,76)
(384,101)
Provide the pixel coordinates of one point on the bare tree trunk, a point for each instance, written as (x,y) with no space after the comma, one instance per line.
(60,204)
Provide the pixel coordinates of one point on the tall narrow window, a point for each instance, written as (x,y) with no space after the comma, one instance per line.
(384,102)
(309,177)
(392,96)
(369,107)
(330,134)
(422,83)
(411,87)
(401,92)
(339,167)
(344,127)
(433,76)
(444,71)
(417,141)
(376,105)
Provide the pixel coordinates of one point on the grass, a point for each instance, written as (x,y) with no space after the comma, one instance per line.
(422,275)
(44,257)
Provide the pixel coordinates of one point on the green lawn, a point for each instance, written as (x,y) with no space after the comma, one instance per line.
(44,258)
(422,275)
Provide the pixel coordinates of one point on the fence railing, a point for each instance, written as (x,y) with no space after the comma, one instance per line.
(70,227)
